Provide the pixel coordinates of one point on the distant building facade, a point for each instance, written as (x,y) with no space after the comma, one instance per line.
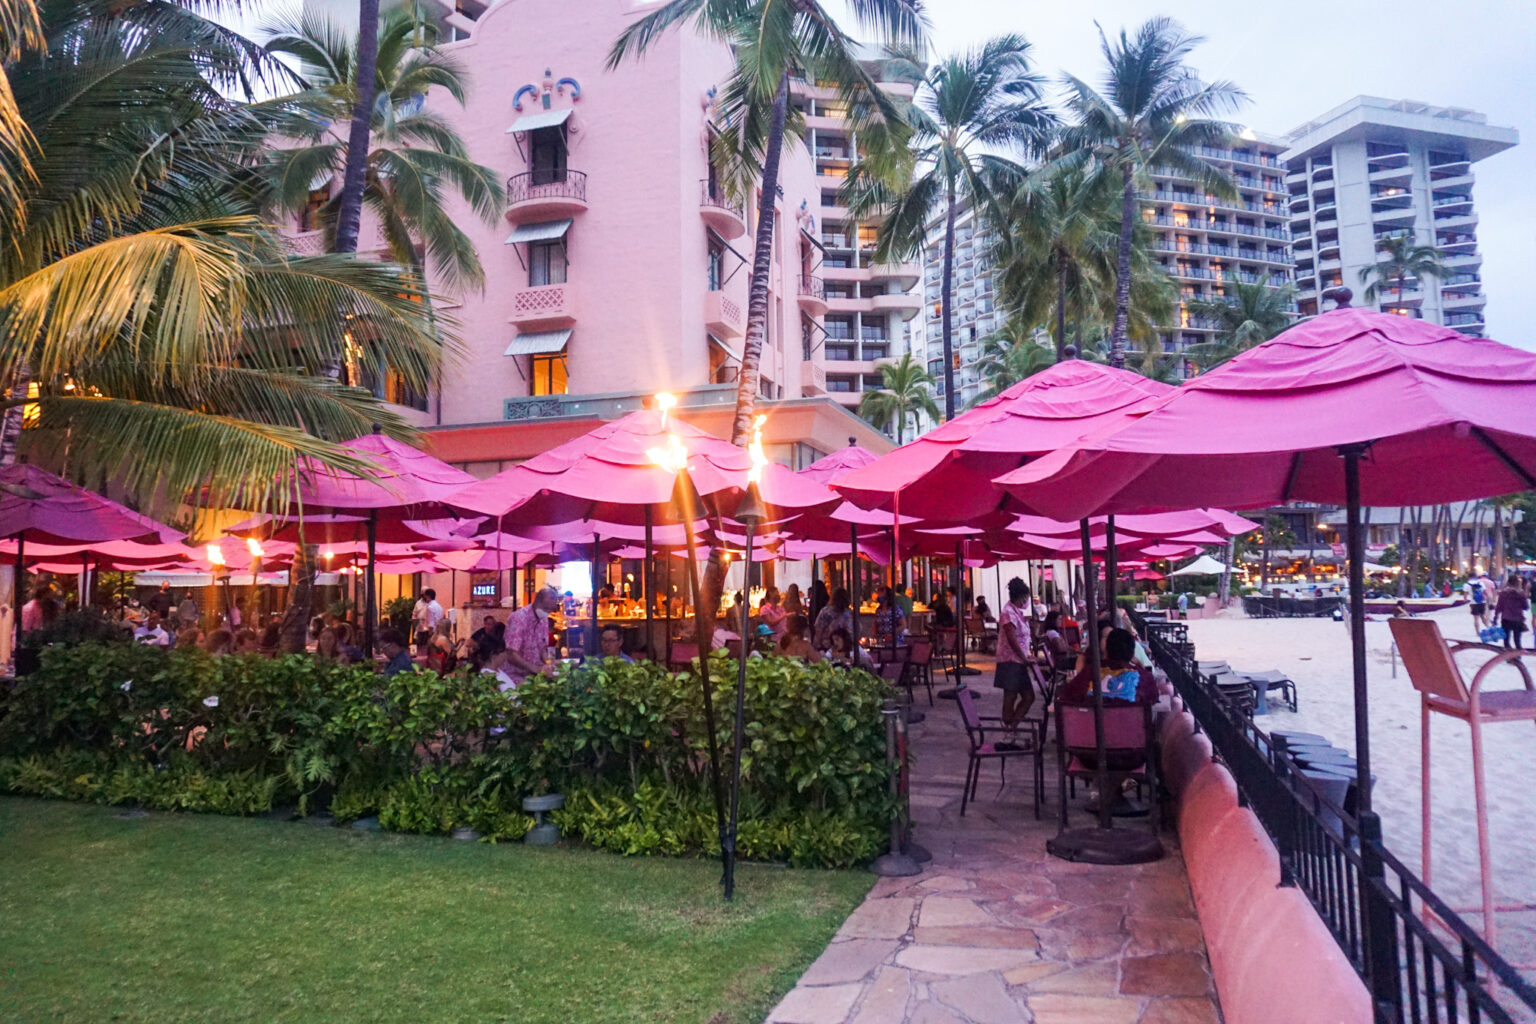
(1374,168)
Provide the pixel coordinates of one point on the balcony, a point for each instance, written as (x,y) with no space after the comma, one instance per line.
(545,305)
(906,274)
(545,195)
(724,215)
(813,378)
(306,243)
(812,295)
(902,304)
(723,317)
(1463,319)
(1464,300)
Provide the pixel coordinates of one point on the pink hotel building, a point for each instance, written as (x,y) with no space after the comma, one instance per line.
(620,269)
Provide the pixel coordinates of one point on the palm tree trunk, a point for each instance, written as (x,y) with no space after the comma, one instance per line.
(10,427)
(946,315)
(1061,306)
(1498,541)
(350,210)
(748,379)
(750,375)
(1225,590)
(1123,271)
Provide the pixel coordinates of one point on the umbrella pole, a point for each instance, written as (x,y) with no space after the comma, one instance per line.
(853,579)
(1380,938)
(591,644)
(650,598)
(1103,843)
(1355,543)
(370,592)
(513,581)
(20,589)
(1111,572)
(961,668)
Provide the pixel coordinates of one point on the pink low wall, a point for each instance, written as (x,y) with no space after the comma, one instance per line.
(1273,958)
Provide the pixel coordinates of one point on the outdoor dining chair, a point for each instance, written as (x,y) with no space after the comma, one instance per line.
(682,656)
(944,653)
(1431,665)
(1026,742)
(920,665)
(1128,752)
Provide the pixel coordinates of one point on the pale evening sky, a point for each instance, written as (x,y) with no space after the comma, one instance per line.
(1299,59)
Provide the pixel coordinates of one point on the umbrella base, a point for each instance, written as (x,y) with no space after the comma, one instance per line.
(966,670)
(896,865)
(1106,846)
(916,852)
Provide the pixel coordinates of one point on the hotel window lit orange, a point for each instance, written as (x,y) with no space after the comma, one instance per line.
(548,375)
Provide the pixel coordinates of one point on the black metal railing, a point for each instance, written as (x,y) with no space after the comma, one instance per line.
(549,184)
(711,195)
(1419,959)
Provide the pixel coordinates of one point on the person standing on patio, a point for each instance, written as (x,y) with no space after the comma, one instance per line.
(161,602)
(836,615)
(1013,642)
(528,636)
(425,616)
(186,612)
(1510,610)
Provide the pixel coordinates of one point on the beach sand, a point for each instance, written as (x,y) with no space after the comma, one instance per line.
(1315,653)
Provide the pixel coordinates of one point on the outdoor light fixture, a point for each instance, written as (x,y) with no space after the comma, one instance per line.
(215,555)
(254,547)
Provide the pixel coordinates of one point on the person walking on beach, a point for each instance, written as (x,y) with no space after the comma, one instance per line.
(1477,592)
(1510,609)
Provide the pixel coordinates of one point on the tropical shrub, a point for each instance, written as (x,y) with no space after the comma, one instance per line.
(627,743)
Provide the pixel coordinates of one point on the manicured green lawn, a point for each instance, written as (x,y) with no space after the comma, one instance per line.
(190,917)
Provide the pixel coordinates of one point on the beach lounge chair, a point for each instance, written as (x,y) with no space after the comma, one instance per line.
(1431,665)
(1236,691)
(1273,680)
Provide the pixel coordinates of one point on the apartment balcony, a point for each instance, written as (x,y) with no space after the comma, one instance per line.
(1463,301)
(1401,173)
(826,123)
(545,305)
(903,304)
(305,243)
(1300,204)
(1455,217)
(1400,215)
(545,195)
(723,316)
(1445,202)
(905,274)
(812,295)
(1296,178)
(725,216)
(813,378)
(1464,319)
(1330,264)
(1449,167)
(1456,181)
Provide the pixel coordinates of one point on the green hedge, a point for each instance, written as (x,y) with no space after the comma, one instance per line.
(626,744)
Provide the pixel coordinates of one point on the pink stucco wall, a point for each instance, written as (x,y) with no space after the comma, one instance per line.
(637,279)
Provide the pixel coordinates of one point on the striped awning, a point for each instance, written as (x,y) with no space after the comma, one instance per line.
(542,343)
(541,119)
(543,231)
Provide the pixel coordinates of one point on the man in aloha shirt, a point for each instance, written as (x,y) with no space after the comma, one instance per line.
(528,636)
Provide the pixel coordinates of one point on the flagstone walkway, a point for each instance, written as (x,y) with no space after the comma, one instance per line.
(995,931)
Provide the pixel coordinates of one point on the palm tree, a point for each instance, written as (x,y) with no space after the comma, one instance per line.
(414,156)
(972,113)
(159,335)
(354,176)
(774,41)
(906,389)
(1400,260)
(1251,314)
(1059,243)
(1010,355)
(1154,112)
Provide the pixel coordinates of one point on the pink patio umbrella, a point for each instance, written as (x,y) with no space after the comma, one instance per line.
(946,475)
(37,505)
(322,528)
(1351,407)
(404,484)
